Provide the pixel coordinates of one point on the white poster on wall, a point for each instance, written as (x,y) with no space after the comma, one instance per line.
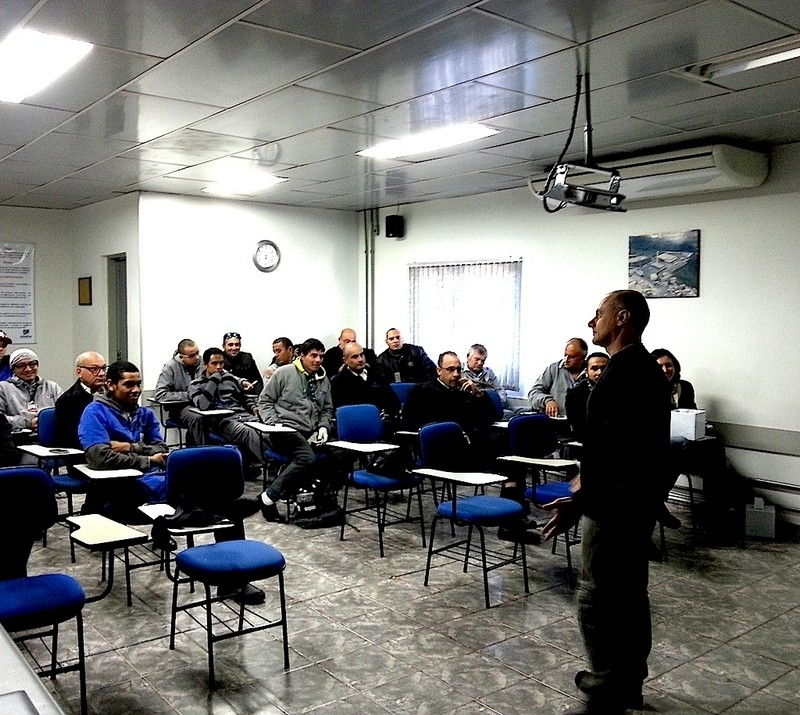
(16,292)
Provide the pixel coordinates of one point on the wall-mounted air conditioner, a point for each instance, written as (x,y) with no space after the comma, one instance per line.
(680,172)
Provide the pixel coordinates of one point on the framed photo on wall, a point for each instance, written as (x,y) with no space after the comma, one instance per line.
(85,291)
(665,265)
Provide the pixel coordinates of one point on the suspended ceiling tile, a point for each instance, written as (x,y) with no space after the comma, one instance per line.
(579,20)
(6,149)
(78,188)
(683,38)
(36,173)
(468,102)
(785,11)
(152,27)
(96,75)
(468,46)
(731,107)
(339,167)
(168,185)
(356,23)
(10,189)
(123,172)
(136,117)
(239,63)
(189,146)
(71,150)
(37,200)
(551,77)
(220,169)
(12,12)
(19,123)
(349,185)
(448,166)
(318,145)
(276,116)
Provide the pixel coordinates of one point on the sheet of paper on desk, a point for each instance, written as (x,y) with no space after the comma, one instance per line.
(107,473)
(212,413)
(361,447)
(268,429)
(476,478)
(17,703)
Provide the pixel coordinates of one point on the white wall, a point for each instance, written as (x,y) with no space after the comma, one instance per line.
(199,281)
(55,292)
(101,230)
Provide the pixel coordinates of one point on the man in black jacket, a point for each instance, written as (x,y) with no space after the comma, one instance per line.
(618,492)
(404,362)
(242,364)
(90,367)
(360,384)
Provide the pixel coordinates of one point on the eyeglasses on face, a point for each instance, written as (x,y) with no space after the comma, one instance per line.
(94,369)
(190,355)
(229,336)
(27,365)
(454,368)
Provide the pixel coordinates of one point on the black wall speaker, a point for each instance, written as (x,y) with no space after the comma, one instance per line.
(395,226)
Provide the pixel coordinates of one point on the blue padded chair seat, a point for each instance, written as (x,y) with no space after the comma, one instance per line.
(369,480)
(549,491)
(231,562)
(482,510)
(39,601)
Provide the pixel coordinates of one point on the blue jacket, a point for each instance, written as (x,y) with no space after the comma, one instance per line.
(104,420)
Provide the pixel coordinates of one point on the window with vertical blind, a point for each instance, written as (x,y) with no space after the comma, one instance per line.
(453,305)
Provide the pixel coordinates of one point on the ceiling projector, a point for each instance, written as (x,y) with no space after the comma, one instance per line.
(590,196)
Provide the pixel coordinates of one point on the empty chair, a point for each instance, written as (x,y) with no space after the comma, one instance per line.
(442,444)
(362,424)
(35,605)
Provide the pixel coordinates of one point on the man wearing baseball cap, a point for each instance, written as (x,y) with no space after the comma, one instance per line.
(5,368)
(25,393)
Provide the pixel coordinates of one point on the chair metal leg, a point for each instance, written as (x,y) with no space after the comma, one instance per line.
(467,548)
(127,576)
(212,683)
(430,550)
(54,654)
(174,614)
(344,509)
(483,564)
(81,663)
(284,626)
(421,513)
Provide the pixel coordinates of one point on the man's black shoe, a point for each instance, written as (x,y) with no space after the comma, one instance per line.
(590,684)
(271,513)
(252,473)
(519,534)
(251,596)
(244,507)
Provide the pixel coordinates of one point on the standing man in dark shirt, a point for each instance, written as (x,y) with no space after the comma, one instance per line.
(90,367)
(242,365)
(618,493)
(404,362)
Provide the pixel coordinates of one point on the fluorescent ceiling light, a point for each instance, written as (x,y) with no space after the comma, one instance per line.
(428,141)
(248,185)
(32,60)
(767,54)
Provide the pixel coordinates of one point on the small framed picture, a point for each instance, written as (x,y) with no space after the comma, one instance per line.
(85,291)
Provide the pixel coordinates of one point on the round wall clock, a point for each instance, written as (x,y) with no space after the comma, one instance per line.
(267,256)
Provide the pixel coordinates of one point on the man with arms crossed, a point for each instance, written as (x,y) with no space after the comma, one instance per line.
(624,449)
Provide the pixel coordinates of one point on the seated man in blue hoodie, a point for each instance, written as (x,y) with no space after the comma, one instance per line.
(116,433)
(298,395)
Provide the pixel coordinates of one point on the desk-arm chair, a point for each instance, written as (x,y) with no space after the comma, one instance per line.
(362,424)
(35,605)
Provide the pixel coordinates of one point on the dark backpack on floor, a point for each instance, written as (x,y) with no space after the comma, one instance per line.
(317,507)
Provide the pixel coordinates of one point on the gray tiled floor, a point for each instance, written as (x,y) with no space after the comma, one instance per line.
(366,636)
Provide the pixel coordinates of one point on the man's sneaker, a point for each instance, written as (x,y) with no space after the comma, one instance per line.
(251,596)
(519,535)
(271,513)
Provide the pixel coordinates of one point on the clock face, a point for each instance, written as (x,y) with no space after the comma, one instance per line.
(267,256)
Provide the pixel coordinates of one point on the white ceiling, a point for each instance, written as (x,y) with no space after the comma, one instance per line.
(178,91)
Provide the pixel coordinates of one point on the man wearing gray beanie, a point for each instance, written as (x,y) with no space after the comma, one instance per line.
(25,393)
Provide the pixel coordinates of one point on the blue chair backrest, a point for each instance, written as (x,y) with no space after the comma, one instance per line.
(443,445)
(204,476)
(497,402)
(359,423)
(401,389)
(47,427)
(29,504)
(532,436)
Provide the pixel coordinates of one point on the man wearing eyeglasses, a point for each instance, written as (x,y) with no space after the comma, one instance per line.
(90,367)
(173,386)
(25,393)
